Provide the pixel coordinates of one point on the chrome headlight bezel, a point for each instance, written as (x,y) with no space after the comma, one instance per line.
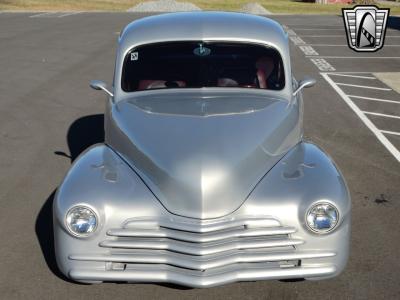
(68,216)
(327,230)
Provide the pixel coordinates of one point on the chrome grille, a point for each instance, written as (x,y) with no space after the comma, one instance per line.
(201,238)
(200,245)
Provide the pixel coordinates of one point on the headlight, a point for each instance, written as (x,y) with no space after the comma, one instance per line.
(81,221)
(322,217)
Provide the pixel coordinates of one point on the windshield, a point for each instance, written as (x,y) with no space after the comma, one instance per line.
(202,64)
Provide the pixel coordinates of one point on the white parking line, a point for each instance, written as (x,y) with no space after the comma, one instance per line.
(381,115)
(316,25)
(322,64)
(367,57)
(364,86)
(69,14)
(374,99)
(351,72)
(378,133)
(342,45)
(296,40)
(42,14)
(294,37)
(322,29)
(308,50)
(333,29)
(390,132)
(341,35)
(355,76)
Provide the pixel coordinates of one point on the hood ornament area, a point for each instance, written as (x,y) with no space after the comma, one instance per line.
(202,51)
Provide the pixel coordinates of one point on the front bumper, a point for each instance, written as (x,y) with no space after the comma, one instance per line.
(170,274)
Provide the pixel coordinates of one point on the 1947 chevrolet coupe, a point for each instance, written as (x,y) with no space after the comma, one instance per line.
(204,178)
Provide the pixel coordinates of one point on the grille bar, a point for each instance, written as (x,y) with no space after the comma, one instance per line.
(200,238)
(202,226)
(201,248)
(201,262)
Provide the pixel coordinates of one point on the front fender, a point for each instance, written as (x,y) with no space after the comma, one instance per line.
(305,175)
(101,180)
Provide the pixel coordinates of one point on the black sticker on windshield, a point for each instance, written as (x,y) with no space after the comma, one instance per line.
(201,50)
(134,56)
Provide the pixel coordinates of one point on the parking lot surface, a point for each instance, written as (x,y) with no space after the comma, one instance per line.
(49,115)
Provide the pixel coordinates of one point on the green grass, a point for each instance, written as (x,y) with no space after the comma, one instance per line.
(67,5)
(283,6)
(275,6)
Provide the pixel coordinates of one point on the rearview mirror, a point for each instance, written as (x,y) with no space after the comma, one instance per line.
(100,85)
(305,83)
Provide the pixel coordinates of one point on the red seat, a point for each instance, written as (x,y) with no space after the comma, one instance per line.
(262,79)
(157,84)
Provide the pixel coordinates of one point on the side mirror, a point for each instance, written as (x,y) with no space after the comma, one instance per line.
(305,83)
(100,85)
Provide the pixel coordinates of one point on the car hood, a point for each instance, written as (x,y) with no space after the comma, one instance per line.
(202,155)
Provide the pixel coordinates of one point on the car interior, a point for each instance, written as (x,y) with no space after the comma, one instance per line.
(200,64)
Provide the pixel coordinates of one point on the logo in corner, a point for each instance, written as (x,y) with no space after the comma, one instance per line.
(365,27)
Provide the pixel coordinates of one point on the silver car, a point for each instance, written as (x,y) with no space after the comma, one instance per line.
(204,177)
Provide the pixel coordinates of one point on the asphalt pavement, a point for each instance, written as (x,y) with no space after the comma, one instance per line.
(48,115)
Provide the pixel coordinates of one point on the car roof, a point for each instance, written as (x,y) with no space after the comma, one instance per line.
(203,26)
